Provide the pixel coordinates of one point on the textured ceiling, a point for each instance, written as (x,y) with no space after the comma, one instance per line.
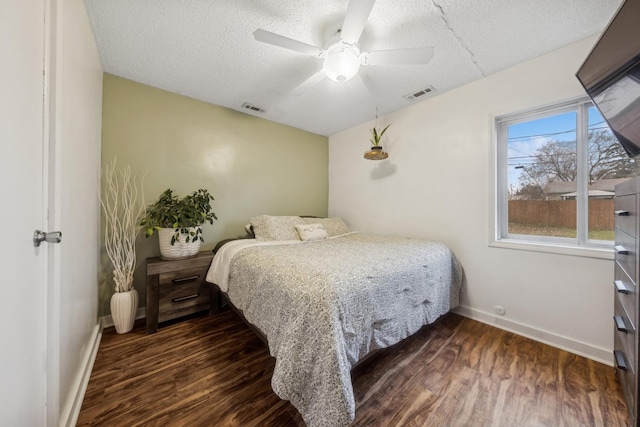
(205,49)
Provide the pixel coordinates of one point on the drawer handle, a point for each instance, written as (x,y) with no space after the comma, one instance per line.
(622,327)
(184,298)
(621,250)
(620,363)
(621,213)
(184,279)
(620,287)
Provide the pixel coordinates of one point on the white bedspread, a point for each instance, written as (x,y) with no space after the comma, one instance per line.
(324,305)
(219,270)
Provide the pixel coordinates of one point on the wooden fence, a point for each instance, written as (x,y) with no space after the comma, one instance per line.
(561,213)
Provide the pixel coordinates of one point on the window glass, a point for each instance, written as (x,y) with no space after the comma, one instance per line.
(542,176)
(556,174)
(608,166)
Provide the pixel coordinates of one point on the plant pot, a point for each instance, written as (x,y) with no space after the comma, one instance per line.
(376,153)
(124,306)
(180,249)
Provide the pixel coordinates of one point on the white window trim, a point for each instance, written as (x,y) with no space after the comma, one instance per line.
(499,176)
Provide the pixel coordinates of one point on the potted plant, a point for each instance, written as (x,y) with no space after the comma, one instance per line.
(122,214)
(376,152)
(179,222)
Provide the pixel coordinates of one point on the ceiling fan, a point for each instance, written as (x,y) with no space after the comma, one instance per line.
(342,56)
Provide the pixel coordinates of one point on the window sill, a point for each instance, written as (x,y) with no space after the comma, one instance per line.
(600,252)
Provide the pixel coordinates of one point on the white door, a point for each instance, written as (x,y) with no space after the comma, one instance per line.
(23,290)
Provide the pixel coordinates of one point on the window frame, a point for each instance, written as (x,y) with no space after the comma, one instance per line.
(581,245)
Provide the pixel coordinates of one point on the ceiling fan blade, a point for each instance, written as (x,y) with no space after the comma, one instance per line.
(287,43)
(358,12)
(309,83)
(359,88)
(410,56)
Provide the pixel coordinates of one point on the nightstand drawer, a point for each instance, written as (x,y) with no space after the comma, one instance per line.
(626,215)
(183,278)
(177,288)
(182,292)
(625,291)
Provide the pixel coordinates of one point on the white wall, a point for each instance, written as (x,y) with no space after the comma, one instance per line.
(78,139)
(436,184)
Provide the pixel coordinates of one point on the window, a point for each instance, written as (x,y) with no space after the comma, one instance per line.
(555,175)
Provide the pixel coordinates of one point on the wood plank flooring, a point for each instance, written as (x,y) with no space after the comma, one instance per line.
(213,371)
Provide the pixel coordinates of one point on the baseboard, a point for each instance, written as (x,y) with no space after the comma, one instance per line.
(107,321)
(71,410)
(591,352)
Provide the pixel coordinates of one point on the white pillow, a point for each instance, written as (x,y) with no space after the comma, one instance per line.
(311,232)
(268,227)
(335,226)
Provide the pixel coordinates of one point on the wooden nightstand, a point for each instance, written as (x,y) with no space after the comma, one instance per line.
(178,288)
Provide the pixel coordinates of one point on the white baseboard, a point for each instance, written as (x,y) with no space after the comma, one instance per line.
(71,410)
(107,321)
(591,352)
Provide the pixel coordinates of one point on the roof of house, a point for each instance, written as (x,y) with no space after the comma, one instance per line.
(592,194)
(563,187)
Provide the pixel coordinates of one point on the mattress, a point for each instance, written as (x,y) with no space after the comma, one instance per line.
(326,304)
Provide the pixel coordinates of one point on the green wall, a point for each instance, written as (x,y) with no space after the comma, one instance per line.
(250,165)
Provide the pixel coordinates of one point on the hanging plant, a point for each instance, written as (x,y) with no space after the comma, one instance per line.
(376,152)
(376,135)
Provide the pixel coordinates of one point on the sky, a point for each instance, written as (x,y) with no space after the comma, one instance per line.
(525,138)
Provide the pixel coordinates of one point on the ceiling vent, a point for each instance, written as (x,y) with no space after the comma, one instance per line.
(253,108)
(419,93)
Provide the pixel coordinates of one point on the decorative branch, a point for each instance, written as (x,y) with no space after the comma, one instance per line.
(122,213)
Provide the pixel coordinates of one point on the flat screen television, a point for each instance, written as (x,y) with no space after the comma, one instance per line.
(611,76)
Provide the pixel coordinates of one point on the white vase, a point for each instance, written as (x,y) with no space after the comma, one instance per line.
(180,249)
(124,306)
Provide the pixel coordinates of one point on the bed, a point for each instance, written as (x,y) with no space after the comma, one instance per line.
(324,303)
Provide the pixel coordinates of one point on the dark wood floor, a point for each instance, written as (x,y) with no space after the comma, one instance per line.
(213,371)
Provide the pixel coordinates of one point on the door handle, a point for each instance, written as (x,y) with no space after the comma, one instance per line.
(43,236)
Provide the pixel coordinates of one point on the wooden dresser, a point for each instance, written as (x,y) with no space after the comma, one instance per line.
(625,287)
(177,288)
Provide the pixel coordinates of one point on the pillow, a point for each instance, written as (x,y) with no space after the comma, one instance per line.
(311,232)
(334,226)
(267,227)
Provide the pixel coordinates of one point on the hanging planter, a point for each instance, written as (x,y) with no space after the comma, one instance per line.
(376,152)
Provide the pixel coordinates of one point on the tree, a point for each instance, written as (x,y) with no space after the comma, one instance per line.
(530,192)
(607,158)
(556,161)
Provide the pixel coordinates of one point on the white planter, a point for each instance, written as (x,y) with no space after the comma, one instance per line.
(123,310)
(180,249)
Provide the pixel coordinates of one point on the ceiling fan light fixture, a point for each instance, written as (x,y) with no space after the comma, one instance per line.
(341,63)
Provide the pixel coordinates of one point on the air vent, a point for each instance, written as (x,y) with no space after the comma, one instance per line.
(419,93)
(253,108)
